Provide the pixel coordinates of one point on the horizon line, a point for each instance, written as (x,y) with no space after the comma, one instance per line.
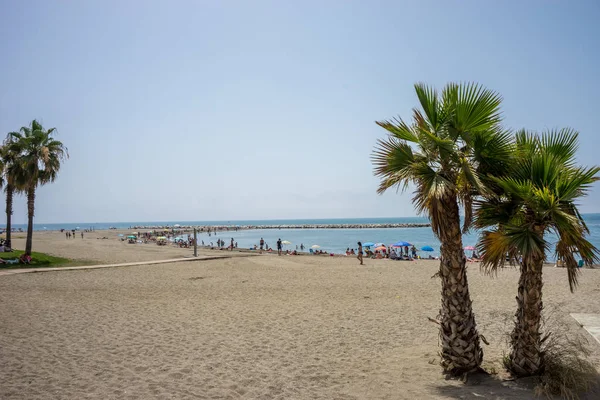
(227,220)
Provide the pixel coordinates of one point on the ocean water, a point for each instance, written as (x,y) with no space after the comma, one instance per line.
(333,240)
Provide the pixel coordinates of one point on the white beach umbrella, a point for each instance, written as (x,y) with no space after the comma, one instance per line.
(315,246)
(286,242)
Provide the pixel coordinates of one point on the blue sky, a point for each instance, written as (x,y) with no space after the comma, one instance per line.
(212,110)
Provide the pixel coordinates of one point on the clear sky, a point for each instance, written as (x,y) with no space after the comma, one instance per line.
(219,110)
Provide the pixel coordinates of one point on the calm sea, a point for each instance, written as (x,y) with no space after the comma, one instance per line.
(334,240)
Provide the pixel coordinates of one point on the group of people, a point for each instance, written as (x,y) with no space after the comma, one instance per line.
(71,234)
(221,244)
(23,259)
(393,253)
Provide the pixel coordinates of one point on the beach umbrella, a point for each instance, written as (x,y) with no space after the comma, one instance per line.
(131,237)
(134,233)
(315,246)
(380,248)
(368,244)
(469,248)
(379,244)
(401,244)
(286,242)
(176,225)
(427,248)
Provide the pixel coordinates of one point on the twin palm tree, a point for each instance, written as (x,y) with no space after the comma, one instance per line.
(455,153)
(31,157)
(454,141)
(538,196)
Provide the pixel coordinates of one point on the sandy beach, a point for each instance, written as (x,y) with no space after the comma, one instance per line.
(264,327)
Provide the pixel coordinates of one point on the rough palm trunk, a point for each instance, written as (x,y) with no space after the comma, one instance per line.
(9,204)
(461,349)
(526,357)
(30,212)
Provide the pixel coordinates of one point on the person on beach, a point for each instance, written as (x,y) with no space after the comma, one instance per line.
(360,253)
(82,235)
(231,243)
(279,246)
(302,246)
(262,244)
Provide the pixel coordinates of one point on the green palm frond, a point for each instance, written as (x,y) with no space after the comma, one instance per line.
(399,129)
(562,144)
(392,159)
(429,100)
(494,211)
(572,242)
(475,109)
(576,182)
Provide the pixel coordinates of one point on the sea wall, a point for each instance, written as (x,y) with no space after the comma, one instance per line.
(299,226)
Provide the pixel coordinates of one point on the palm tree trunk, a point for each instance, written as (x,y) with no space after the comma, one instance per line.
(30,212)
(526,357)
(9,211)
(461,349)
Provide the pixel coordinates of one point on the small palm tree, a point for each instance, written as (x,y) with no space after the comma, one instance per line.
(7,158)
(538,196)
(37,162)
(454,141)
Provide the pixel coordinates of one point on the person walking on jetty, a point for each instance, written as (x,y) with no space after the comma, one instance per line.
(360,253)
(279,246)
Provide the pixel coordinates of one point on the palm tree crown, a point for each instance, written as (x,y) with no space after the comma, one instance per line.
(458,142)
(39,155)
(539,196)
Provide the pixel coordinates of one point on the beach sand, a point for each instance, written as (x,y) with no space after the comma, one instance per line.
(267,327)
(92,248)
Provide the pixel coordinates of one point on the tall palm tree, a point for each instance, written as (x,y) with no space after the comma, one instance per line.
(7,158)
(38,161)
(538,197)
(454,141)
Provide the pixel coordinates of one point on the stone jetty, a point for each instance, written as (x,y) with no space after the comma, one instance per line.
(209,228)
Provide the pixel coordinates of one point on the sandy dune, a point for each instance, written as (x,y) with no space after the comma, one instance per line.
(253,328)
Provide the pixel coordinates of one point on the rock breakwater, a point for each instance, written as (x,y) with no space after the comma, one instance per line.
(209,228)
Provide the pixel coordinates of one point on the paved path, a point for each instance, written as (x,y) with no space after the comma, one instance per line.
(589,322)
(172,260)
